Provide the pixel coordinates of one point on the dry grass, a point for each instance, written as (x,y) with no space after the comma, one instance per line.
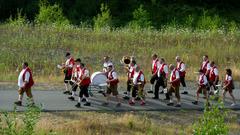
(151,123)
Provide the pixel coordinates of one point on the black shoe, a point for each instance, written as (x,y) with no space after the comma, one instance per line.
(150,91)
(177,105)
(170,104)
(137,98)
(125,93)
(155,97)
(18,103)
(161,92)
(185,92)
(71,98)
(66,92)
(126,97)
(195,102)
(87,104)
(83,100)
(100,91)
(104,94)
(78,105)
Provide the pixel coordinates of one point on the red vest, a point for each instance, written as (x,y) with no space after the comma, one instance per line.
(69,70)
(154,68)
(173,77)
(226,82)
(110,77)
(31,82)
(130,74)
(201,80)
(182,74)
(204,67)
(139,77)
(162,70)
(212,75)
(86,81)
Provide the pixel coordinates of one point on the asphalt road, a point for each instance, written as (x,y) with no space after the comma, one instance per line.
(54,100)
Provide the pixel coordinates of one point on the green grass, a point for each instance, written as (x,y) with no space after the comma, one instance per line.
(44,47)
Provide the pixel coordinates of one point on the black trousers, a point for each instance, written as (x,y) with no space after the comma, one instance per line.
(211,85)
(182,80)
(129,86)
(134,91)
(153,78)
(160,82)
(83,91)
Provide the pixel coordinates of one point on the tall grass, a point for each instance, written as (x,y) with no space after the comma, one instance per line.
(44,47)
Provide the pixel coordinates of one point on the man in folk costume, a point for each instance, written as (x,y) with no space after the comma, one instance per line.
(213,76)
(25,83)
(106,62)
(205,65)
(83,83)
(202,86)
(68,66)
(174,86)
(182,72)
(112,81)
(75,78)
(130,73)
(228,86)
(162,75)
(138,86)
(155,67)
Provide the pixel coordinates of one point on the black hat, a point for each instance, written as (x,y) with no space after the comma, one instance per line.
(67,54)
(78,60)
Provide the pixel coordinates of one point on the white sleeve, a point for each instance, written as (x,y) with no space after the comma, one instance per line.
(208,66)
(27,76)
(229,78)
(183,67)
(205,80)
(158,64)
(177,75)
(86,73)
(216,71)
(114,74)
(165,69)
(158,72)
(142,78)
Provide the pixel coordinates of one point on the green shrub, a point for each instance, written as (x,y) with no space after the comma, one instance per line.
(212,122)
(103,19)
(19,20)
(141,19)
(50,14)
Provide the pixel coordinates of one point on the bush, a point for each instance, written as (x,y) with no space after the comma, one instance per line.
(212,122)
(103,19)
(141,19)
(50,14)
(19,20)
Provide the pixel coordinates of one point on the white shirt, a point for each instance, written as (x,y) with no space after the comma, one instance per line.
(68,64)
(157,63)
(215,70)
(208,65)
(20,78)
(228,78)
(114,75)
(135,78)
(165,70)
(182,68)
(176,74)
(86,73)
(204,79)
(131,68)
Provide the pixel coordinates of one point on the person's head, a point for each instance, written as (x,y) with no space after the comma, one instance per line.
(154,56)
(201,71)
(133,62)
(162,60)
(110,67)
(82,65)
(24,65)
(106,58)
(178,59)
(229,72)
(171,66)
(78,61)
(132,58)
(212,63)
(68,55)
(205,57)
(137,69)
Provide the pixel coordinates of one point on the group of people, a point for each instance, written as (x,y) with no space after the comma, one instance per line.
(78,76)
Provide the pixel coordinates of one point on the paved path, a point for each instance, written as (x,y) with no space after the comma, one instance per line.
(53,100)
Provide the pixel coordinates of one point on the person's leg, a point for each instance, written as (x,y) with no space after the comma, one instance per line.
(20,97)
(177,95)
(199,90)
(134,94)
(30,96)
(182,80)
(156,91)
(129,86)
(74,89)
(66,80)
(223,95)
(233,98)
(152,81)
(170,90)
(85,93)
